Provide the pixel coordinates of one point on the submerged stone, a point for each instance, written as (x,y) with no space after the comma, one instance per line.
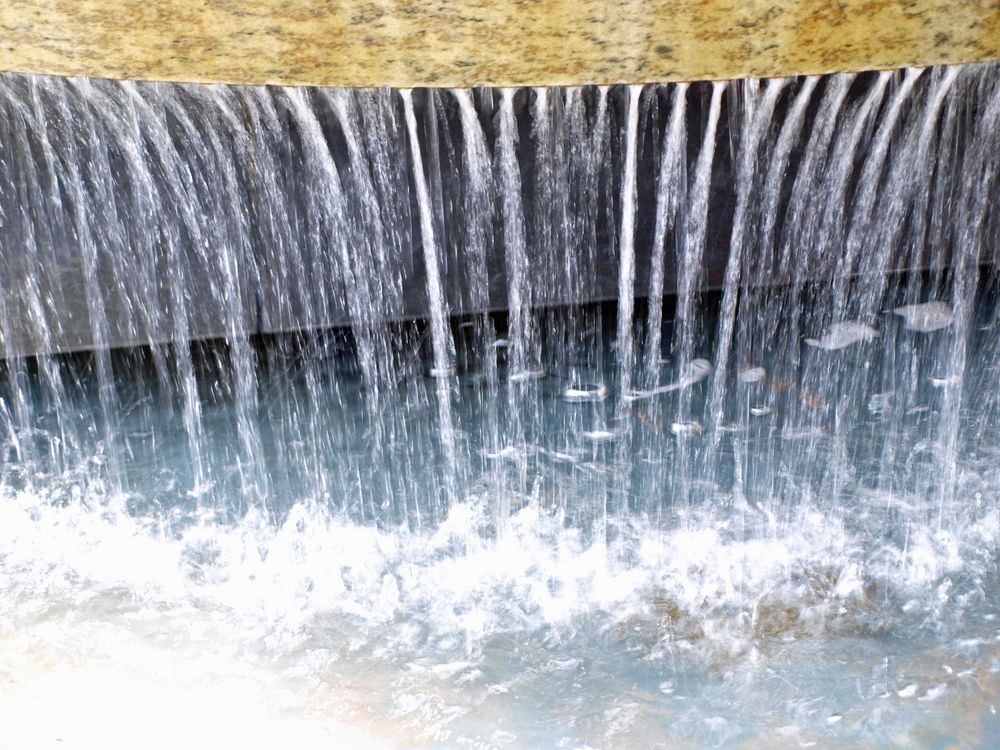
(844,334)
(693,372)
(523,375)
(926,316)
(685,429)
(751,375)
(600,436)
(593,393)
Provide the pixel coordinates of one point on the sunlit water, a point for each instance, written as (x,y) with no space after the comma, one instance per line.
(827,602)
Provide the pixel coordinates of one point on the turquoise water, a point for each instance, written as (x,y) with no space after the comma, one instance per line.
(817,578)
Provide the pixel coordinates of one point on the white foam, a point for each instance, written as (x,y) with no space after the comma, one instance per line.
(206,587)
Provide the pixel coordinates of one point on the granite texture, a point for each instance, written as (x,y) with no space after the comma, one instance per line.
(486,42)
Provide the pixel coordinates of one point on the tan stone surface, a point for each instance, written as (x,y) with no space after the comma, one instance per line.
(486,42)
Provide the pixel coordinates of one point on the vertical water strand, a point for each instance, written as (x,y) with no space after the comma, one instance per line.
(823,221)
(553,276)
(934,184)
(385,150)
(865,199)
(433,158)
(766,264)
(981,167)
(689,276)
(477,200)
(385,145)
(23,327)
(621,466)
(671,189)
(553,262)
(126,219)
(858,298)
(593,157)
(441,341)
(541,234)
(339,261)
(320,270)
(443,140)
(587,125)
(832,209)
(901,220)
(690,261)
(521,333)
(800,226)
(34,236)
(983,414)
(797,235)
(296,409)
(760,311)
(826,223)
(552,224)
(518,288)
(189,262)
(67,172)
(626,245)
(573,237)
(16,410)
(378,270)
(19,268)
(224,146)
(747,101)
(160,171)
(269,222)
(756,127)
(127,271)
(174,364)
(367,251)
(669,198)
(542,248)
(906,190)
(937,371)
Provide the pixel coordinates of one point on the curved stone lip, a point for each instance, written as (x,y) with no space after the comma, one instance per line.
(467,43)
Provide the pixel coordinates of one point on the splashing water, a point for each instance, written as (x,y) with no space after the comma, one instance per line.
(258,487)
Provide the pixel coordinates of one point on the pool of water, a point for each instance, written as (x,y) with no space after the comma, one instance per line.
(502,558)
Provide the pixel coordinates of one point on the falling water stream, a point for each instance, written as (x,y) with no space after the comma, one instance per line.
(598,417)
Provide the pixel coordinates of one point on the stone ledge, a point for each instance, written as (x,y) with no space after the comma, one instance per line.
(408,43)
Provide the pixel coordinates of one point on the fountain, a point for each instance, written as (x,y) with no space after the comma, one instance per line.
(584,416)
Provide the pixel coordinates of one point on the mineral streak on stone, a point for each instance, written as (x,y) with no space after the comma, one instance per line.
(482,42)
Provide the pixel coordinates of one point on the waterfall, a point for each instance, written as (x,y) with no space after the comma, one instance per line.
(311,227)
(552,404)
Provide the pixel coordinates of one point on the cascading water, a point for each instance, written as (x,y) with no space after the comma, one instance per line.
(318,419)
